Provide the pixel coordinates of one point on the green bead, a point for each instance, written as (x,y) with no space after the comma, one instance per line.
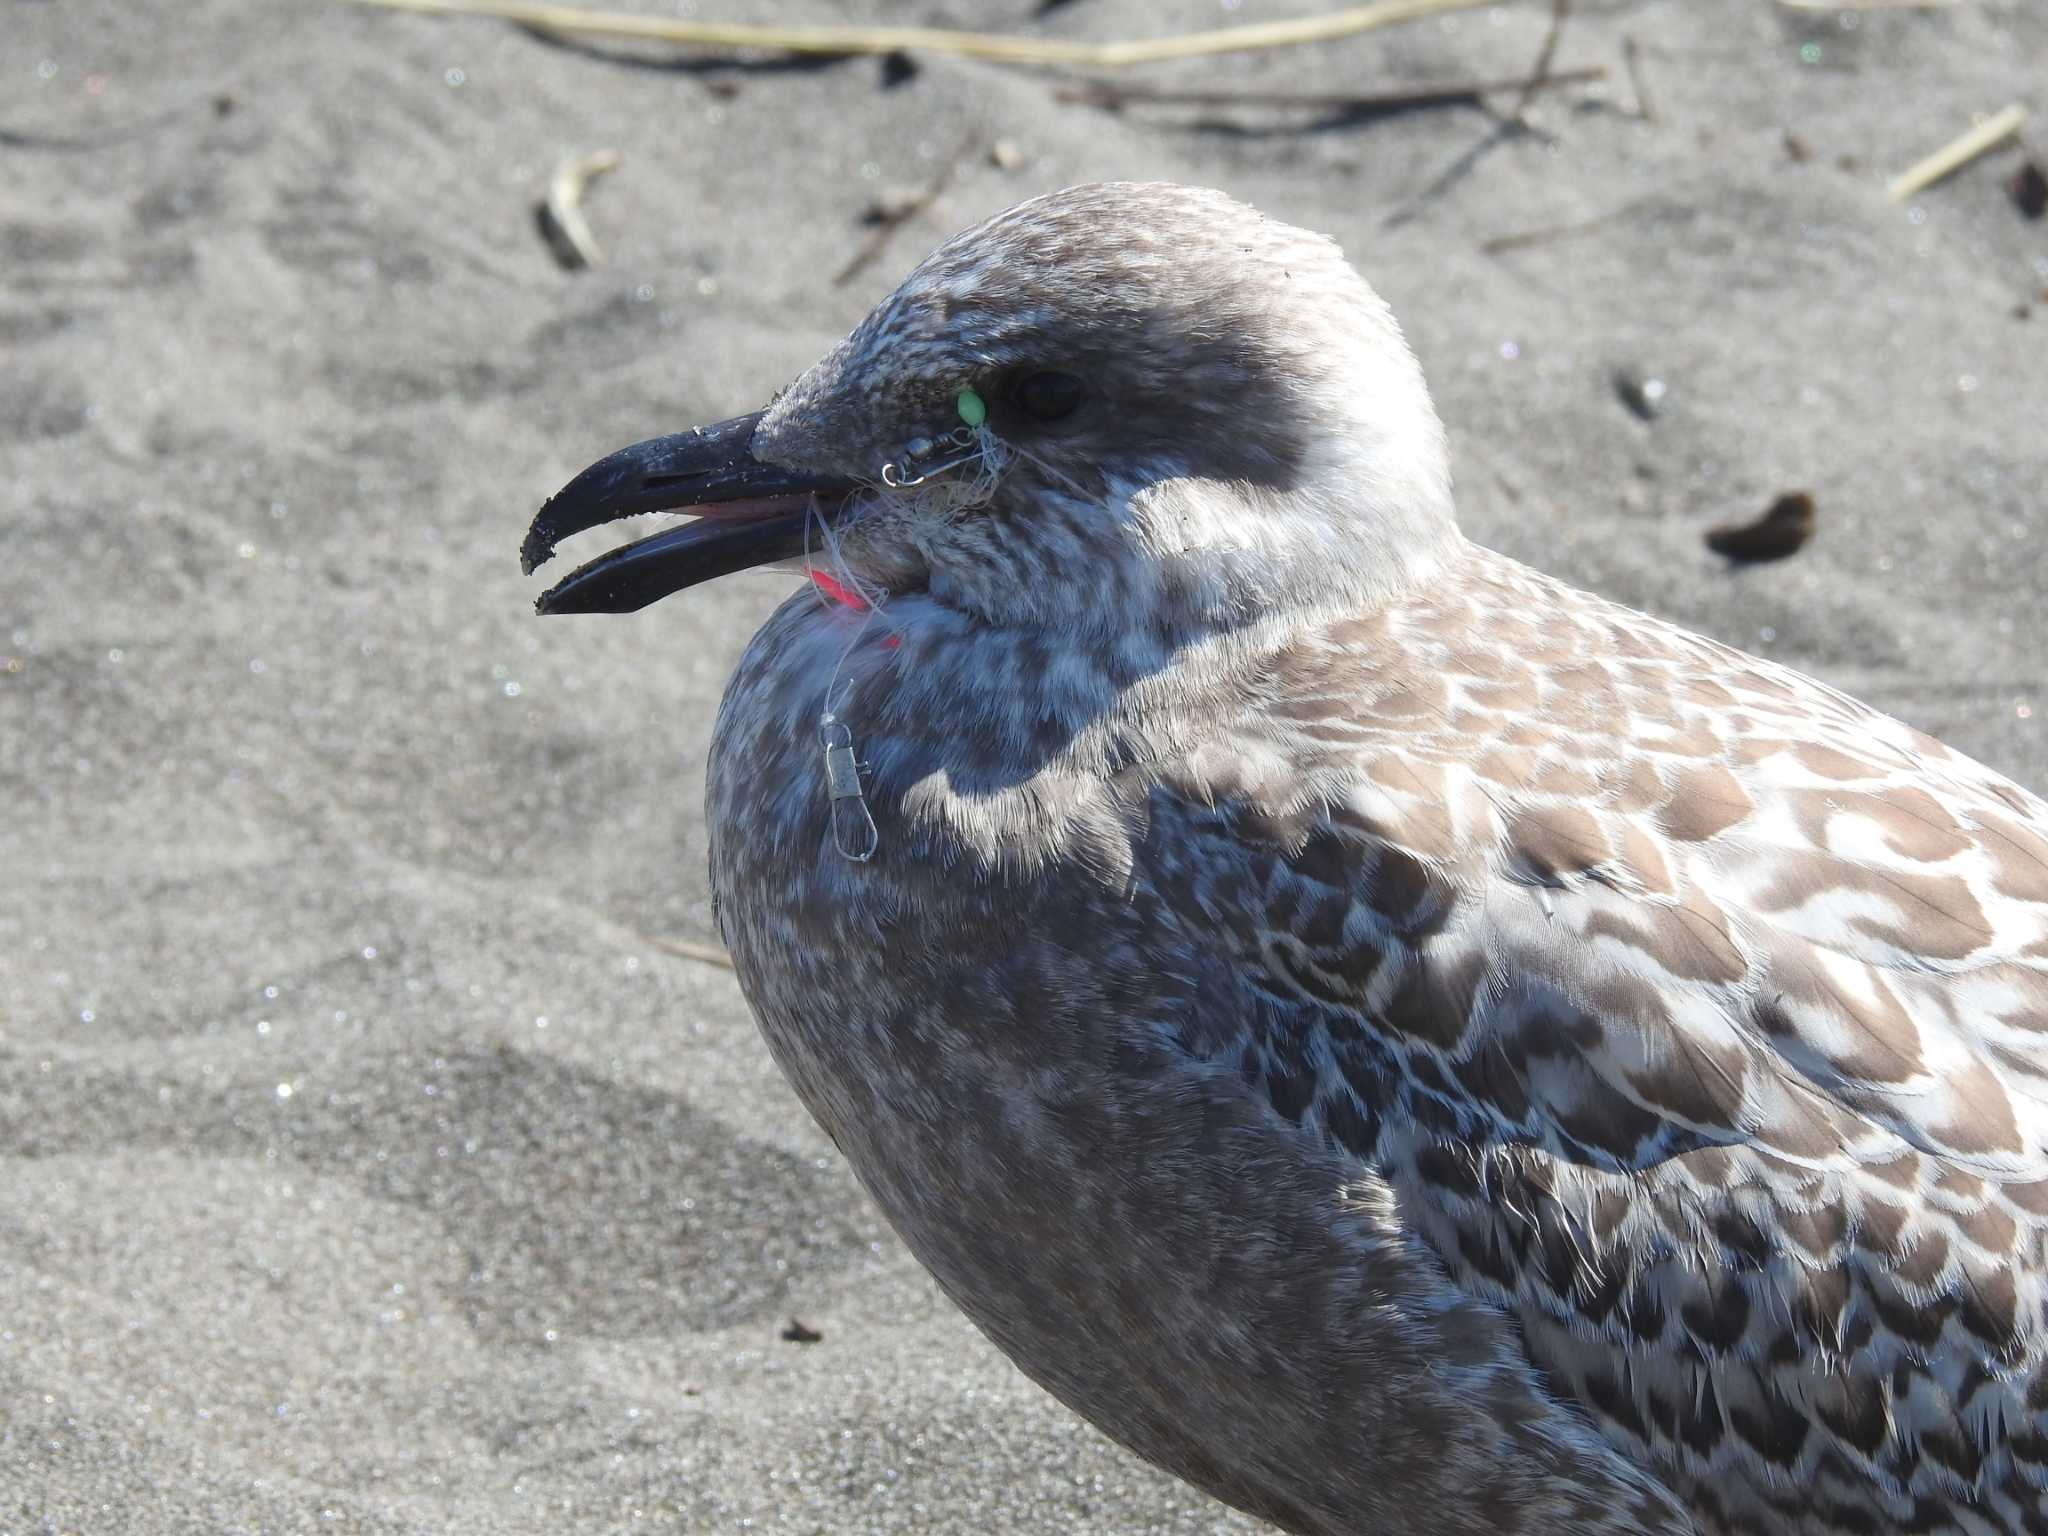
(972,411)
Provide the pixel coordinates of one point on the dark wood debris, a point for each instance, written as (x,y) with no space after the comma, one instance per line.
(1783,530)
(2028,188)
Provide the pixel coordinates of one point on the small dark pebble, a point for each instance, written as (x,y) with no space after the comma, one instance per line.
(1643,397)
(720,87)
(1783,530)
(801,1332)
(2028,187)
(224,105)
(2023,311)
(899,68)
(1797,150)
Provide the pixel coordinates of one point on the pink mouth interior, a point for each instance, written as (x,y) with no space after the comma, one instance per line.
(749,509)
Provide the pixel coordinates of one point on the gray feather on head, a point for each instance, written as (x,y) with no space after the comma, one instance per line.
(1252,429)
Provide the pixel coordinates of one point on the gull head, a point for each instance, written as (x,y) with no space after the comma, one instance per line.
(1119,403)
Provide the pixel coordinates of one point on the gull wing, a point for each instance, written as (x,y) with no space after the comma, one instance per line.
(1696,1012)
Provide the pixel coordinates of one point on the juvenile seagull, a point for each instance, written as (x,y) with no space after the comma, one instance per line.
(1406,1046)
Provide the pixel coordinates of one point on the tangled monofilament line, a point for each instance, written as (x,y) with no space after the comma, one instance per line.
(938,497)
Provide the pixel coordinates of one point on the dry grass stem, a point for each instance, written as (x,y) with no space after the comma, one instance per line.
(1957,153)
(1106,93)
(1522,239)
(690,949)
(973,45)
(1869,5)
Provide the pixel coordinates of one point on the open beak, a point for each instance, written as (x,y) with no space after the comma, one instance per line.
(750,514)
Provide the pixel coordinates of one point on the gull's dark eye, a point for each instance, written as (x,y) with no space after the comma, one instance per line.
(1047,396)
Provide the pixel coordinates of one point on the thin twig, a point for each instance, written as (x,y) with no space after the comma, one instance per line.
(1106,93)
(22,138)
(889,220)
(973,45)
(1957,153)
(1560,13)
(690,949)
(1515,125)
(1632,56)
(563,207)
(1528,237)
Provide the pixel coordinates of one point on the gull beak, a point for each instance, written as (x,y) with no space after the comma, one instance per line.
(749,514)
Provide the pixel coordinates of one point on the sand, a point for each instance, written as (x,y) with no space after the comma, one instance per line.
(369,1164)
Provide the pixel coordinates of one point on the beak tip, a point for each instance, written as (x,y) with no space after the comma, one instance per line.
(685,471)
(538,548)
